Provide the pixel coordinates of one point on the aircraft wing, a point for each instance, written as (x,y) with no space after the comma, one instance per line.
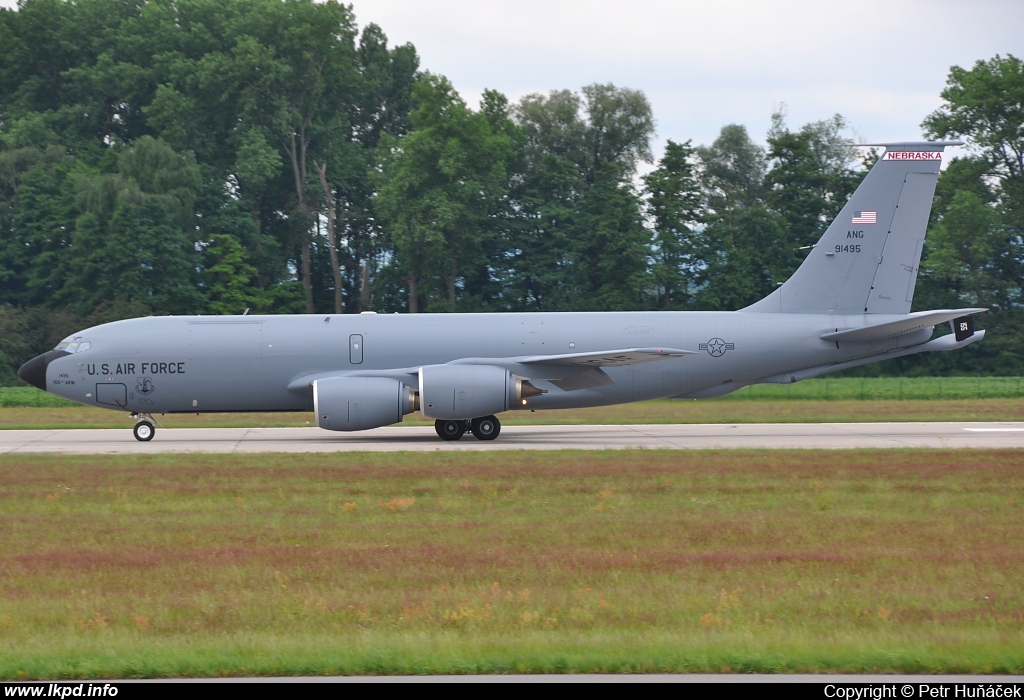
(569,372)
(892,329)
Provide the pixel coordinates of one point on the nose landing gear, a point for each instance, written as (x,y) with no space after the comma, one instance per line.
(486,428)
(144,430)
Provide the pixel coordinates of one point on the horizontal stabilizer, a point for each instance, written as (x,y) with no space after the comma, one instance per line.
(942,344)
(606,358)
(893,329)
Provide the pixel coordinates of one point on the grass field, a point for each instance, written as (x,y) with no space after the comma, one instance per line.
(749,561)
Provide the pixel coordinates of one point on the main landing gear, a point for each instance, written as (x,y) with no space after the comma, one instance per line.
(486,428)
(144,430)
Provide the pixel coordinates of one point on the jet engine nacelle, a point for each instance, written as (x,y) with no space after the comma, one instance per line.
(360,403)
(454,392)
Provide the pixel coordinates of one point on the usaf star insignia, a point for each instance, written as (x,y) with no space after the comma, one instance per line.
(716,347)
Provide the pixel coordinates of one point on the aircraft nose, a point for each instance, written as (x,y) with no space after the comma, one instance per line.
(34,371)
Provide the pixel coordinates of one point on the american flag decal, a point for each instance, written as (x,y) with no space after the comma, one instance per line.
(865,217)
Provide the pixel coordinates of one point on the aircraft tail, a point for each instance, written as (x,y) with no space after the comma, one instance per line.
(867,260)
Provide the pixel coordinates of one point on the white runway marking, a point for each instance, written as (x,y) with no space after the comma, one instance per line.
(995,430)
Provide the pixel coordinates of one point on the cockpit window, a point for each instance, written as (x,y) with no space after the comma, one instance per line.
(73,347)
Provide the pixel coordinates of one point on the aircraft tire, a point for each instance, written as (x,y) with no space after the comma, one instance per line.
(486,428)
(144,431)
(450,429)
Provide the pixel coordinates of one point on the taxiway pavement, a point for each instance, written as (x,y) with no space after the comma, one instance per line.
(523,437)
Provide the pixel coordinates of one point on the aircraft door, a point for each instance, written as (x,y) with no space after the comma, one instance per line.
(112,394)
(355,349)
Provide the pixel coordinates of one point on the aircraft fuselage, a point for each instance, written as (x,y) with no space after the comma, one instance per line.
(265,363)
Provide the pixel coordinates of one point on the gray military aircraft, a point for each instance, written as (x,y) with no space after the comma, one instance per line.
(847,305)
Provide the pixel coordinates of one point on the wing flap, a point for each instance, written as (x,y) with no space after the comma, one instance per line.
(587,379)
(606,358)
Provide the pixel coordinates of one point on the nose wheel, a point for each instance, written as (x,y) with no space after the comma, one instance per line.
(144,431)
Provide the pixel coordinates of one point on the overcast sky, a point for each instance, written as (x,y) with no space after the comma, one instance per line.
(704,64)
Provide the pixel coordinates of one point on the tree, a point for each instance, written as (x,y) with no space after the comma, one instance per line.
(273,84)
(561,239)
(386,80)
(675,207)
(939,283)
(229,278)
(975,249)
(134,234)
(310,114)
(36,220)
(436,183)
(742,257)
(732,171)
(964,247)
(546,186)
(612,245)
(985,105)
(810,176)
(620,124)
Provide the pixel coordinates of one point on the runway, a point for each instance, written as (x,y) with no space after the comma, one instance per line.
(973,436)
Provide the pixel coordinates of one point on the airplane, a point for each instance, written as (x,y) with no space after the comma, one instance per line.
(848,304)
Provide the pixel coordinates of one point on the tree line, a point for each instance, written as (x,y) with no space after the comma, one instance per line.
(213,156)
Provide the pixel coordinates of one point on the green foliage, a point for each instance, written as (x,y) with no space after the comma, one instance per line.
(975,248)
(229,278)
(732,171)
(738,248)
(214,155)
(810,176)
(962,246)
(134,233)
(571,226)
(20,339)
(984,104)
(436,185)
(675,205)
(612,246)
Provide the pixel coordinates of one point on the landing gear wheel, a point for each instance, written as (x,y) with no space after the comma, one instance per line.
(144,431)
(450,429)
(486,428)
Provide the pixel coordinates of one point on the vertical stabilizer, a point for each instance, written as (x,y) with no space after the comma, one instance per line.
(867,260)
